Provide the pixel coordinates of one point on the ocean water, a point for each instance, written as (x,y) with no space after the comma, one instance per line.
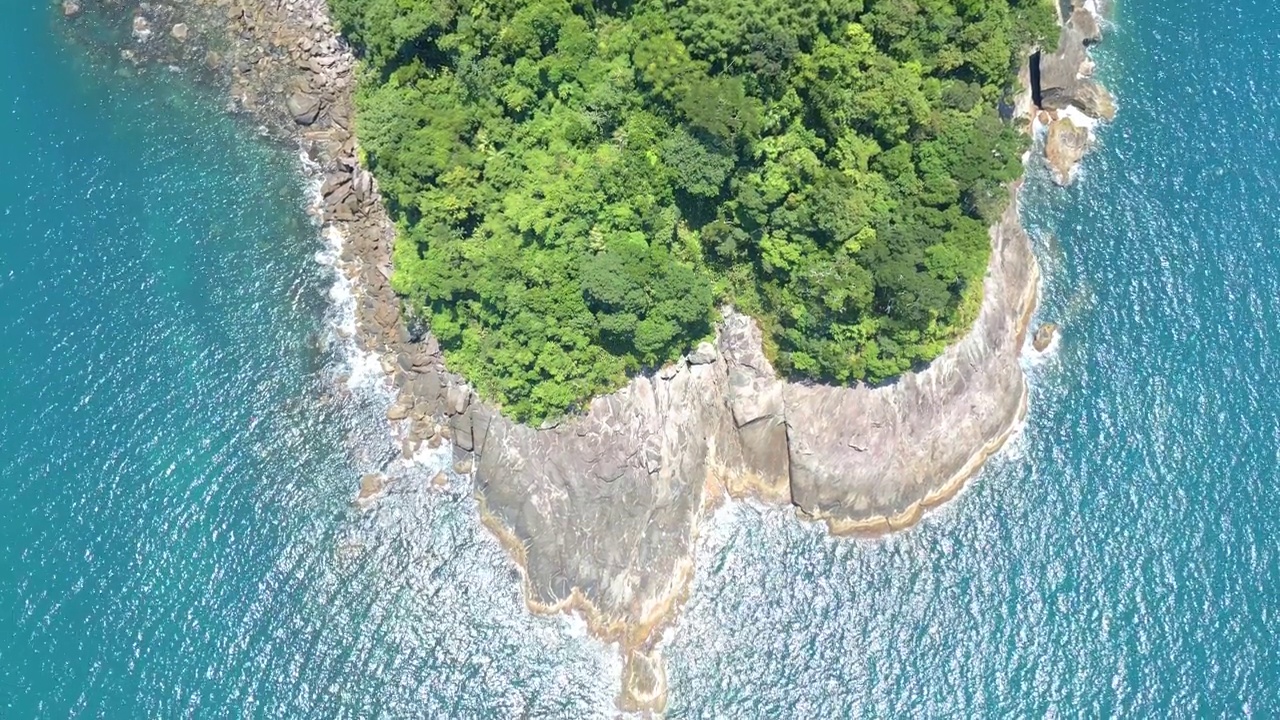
(180,442)
(1120,557)
(178,453)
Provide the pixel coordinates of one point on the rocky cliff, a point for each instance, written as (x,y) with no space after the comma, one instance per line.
(1069,99)
(602,511)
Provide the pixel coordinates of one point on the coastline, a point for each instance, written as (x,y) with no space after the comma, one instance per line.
(601,514)
(948,490)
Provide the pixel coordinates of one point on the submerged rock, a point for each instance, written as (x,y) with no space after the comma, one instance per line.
(372,486)
(180,32)
(1044,336)
(644,682)
(141,28)
(71,9)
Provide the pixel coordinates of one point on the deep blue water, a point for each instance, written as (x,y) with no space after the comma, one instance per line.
(178,450)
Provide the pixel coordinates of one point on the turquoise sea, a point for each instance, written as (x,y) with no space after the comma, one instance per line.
(182,434)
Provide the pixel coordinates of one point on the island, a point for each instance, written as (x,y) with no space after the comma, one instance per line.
(629,259)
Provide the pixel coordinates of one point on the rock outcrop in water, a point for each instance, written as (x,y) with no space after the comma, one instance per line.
(1065,144)
(602,511)
(1065,91)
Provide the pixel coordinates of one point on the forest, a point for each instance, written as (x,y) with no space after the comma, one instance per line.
(580,184)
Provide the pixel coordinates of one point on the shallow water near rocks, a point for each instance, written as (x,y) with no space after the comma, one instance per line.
(179,454)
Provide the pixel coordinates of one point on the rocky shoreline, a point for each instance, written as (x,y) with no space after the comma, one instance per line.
(601,512)
(1070,102)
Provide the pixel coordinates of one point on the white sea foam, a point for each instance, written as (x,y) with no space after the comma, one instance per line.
(362,368)
(1078,118)
(414,513)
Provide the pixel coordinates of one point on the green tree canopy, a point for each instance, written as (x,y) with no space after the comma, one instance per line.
(578,183)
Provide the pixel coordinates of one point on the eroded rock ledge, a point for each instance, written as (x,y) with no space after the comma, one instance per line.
(602,511)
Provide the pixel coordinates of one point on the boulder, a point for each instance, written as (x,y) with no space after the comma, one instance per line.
(180,32)
(1044,336)
(426,388)
(363,184)
(704,354)
(71,9)
(1064,146)
(385,315)
(480,419)
(458,397)
(141,28)
(372,486)
(398,411)
(431,346)
(335,184)
(304,107)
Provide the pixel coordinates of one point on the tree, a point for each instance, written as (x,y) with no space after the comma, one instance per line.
(577,185)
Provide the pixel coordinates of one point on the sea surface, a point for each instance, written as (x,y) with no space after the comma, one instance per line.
(183,429)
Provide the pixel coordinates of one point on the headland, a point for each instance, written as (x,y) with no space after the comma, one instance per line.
(602,510)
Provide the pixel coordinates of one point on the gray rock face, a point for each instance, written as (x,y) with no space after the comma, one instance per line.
(1065,81)
(873,459)
(1064,75)
(603,510)
(1087,25)
(613,496)
(304,108)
